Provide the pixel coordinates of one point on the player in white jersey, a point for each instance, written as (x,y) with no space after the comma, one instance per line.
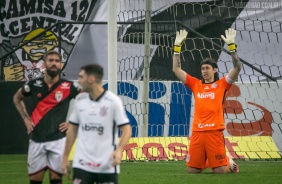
(95,119)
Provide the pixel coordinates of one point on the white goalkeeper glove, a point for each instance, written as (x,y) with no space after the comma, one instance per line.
(180,38)
(229,39)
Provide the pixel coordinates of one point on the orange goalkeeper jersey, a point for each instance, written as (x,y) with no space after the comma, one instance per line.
(209,99)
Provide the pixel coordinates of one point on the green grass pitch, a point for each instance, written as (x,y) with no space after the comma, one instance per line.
(13,170)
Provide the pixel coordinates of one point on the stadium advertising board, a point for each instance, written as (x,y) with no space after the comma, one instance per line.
(252,126)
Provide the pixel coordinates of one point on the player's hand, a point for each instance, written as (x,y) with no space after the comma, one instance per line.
(13,72)
(64,126)
(180,38)
(117,156)
(29,124)
(66,169)
(230,35)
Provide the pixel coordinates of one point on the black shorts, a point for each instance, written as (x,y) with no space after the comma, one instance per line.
(85,177)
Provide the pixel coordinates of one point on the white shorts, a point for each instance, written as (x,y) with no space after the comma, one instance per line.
(45,155)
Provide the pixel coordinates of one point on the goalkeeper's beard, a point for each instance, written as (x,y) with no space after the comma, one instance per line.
(53,73)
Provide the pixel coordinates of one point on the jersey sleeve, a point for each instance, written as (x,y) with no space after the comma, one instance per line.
(74,115)
(75,90)
(26,88)
(190,81)
(226,82)
(120,116)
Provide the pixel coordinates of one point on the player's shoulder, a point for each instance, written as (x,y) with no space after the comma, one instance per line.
(222,80)
(111,96)
(82,96)
(68,83)
(62,80)
(35,82)
(222,83)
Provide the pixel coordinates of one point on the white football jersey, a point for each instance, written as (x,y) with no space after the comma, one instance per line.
(97,137)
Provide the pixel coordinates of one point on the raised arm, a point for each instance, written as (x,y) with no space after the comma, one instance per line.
(229,39)
(176,68)
(234,72)
(176,65)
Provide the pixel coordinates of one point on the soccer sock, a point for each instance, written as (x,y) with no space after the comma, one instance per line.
(57,181)
(35,182)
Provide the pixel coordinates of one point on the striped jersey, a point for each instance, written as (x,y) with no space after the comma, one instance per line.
(49,107)
(97,137)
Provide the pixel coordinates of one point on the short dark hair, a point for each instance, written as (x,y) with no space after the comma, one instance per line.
(94,69)
(51,52)
(212,62)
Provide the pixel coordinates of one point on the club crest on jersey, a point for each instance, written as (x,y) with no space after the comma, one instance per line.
(59,96)
(103,111)
(214,85)
(38,83)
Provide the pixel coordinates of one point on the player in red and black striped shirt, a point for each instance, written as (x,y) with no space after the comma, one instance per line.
(50,97)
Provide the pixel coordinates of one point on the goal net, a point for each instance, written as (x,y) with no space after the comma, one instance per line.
(161,119)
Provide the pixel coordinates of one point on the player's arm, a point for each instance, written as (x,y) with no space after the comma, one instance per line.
(234,72)
(18,100)
(176,65)
(229,39)
(122,121)
(125,136)
(19,104)
(71,136)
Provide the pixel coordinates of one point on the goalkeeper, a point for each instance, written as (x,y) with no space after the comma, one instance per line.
(207,140)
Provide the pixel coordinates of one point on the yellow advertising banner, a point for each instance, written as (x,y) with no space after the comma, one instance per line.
(176,148)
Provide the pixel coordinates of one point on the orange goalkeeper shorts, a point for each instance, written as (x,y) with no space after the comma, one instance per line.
(207,145)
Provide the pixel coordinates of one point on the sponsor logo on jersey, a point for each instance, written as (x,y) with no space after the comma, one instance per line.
(206,95)
(206,87)
(93,128)
(38,83)
(90,164)
(59,96)
(201,125)
(220,157)
(65,85)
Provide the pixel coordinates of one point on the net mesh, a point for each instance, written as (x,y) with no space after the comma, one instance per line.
(252,107)
(253,113)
